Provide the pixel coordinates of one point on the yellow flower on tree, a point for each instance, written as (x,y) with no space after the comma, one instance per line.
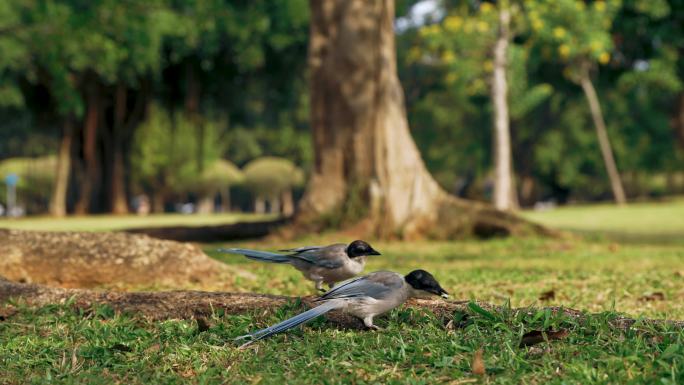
(448,56)
(482,26)
(596,46)
(537,24)
(486,7)
(488,65)
(414,54)
(564,50)
(604,58)
(559,32)
(600,6)
(453,23)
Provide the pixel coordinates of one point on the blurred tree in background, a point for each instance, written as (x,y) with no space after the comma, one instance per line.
(158,96)
(272,179)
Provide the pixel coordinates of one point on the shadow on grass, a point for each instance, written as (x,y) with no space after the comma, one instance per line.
(216,233)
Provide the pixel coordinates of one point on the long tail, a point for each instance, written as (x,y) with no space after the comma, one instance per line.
(262,256)
(290,323)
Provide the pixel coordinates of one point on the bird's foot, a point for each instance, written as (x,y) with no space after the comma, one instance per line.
(374,327)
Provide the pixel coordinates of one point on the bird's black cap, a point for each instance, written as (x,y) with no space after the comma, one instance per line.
(360,248)
(422,280)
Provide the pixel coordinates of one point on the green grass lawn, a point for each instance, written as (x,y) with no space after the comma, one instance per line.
(120,222)
(58,345)
(624,265)
(655,222)
(593,276)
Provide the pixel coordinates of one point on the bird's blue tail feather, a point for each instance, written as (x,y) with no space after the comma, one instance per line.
(262,256)
(289,323)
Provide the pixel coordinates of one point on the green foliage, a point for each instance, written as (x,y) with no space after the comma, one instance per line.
(218,175)
(577,32)
(446,66)
(15,54)
(269,176)
(169,151)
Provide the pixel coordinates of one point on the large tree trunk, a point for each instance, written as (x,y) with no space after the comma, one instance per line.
(503,182)
(58,199)
(367,165)
(89,152)
(604,141)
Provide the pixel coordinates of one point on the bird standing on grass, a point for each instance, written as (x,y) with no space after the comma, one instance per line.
(364,297)
(321,264)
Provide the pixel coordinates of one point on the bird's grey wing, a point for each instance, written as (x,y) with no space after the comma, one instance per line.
(303,249)
(329,257)
(376,285)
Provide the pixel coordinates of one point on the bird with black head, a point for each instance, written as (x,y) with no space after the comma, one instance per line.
(321,264)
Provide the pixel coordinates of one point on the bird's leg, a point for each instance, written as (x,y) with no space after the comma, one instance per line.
(319,286)
(368,321)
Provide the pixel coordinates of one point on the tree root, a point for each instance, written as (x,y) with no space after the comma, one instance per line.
(199,304)
(458,218)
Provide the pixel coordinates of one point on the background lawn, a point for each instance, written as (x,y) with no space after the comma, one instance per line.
(120,222)
(638,272)
(654,222)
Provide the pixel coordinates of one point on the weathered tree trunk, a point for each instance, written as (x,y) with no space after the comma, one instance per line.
(604,141)
(288,203)
(274,205)
(225,199)
(58,199)
(192,104)
(158,197)
(119,202)
(205,205)
(503,181)
(259,205)
(678,120)
(89,152)
(367,167)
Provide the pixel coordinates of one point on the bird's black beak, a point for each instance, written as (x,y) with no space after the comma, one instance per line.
(373,252)
(441,292)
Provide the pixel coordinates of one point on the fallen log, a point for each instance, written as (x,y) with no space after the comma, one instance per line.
(201,304)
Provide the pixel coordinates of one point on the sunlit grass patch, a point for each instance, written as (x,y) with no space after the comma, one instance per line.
(592,276)
(120,222)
